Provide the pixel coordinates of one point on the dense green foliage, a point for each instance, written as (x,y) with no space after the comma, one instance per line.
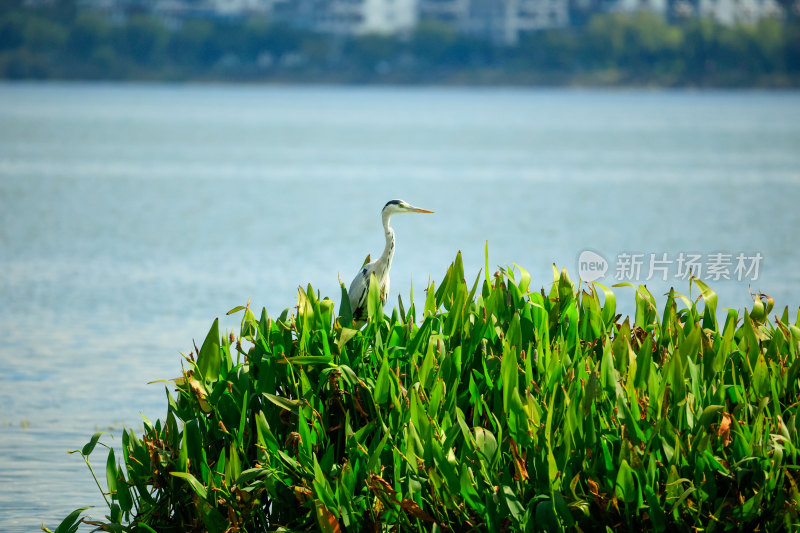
(488,408)
(62,42)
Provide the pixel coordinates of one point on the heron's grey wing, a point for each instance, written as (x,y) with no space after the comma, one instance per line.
(358,293)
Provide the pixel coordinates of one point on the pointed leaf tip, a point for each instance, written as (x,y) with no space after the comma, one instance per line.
(208,360)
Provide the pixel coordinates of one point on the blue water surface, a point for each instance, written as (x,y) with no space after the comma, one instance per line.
(133,215)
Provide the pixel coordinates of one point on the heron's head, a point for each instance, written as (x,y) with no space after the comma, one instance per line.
(399,206)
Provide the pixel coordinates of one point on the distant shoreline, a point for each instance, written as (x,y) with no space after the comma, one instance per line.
(641,50)
(455,81)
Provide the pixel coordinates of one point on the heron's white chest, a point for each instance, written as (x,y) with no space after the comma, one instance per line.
(384,284)
(381,272)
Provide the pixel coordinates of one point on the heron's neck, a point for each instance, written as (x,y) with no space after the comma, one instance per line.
(388,250)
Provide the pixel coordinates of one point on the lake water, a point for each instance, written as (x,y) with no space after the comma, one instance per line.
(133,215)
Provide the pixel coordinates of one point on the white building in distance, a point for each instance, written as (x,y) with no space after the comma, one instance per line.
(238,7)
(500,21)
(350,17)
(726,12)
(451,12)
(733,12)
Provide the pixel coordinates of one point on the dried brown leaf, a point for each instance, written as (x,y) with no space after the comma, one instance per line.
(411,507)
(327,518)
(520,469)
(378,484)
(724,430)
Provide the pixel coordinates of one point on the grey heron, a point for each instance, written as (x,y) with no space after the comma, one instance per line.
(359,287)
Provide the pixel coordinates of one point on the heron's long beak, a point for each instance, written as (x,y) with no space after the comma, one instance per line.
(418,210)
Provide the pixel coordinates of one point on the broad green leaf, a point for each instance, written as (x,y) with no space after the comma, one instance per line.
(512,502)
(430,300)
(196,486)
(710,299)
(510,375)
(374,300)
(346,335)
(344,309)
(657,516)
(111,473)
(468,491)
(761,377)
(709,415)
(609,303)
(72,521)
(88,448)
(524,279)
(285,403)
(123,492)
(383,383)
(486,444)
(311,360)
(209,359)
(608,374)
(625,486)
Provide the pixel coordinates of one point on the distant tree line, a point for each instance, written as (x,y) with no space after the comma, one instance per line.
(60,41)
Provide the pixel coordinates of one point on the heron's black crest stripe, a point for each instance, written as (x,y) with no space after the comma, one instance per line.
(393,202)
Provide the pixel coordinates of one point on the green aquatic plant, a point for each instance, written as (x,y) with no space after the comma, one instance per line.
(489,407)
